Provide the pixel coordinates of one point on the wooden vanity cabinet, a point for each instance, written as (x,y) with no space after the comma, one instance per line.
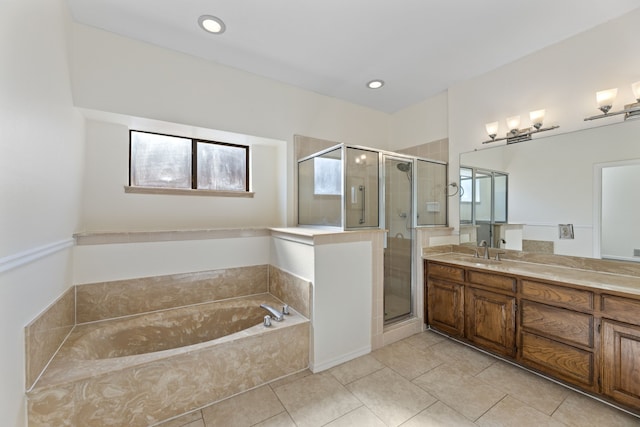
(474,305)
(555,337)
(491,320)
(621,357)
(445,298)
(621,349)
(490,311)
(583,336)
(446,306)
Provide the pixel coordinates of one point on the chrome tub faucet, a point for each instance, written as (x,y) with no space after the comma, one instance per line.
(277,316)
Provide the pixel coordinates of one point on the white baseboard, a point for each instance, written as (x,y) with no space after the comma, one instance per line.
(323,366)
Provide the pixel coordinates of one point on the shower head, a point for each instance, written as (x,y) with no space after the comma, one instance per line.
(404,167)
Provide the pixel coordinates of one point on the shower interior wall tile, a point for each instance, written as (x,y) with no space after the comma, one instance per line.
(45,334)
(305,146)
(99,301)
(293,290)
(434,150)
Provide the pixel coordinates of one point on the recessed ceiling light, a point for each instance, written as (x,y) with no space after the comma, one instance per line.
(212,24)
(375,84)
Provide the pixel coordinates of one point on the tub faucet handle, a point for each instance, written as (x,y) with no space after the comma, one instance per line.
(267,321)
(285,309)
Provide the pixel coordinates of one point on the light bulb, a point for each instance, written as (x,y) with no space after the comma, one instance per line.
(492,129)
(605,99)
(537,117)
(513,124)
(636,90)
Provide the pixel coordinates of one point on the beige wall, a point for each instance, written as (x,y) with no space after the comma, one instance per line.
(41,167)
(420,123)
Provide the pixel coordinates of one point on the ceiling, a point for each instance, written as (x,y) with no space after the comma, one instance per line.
(334,47)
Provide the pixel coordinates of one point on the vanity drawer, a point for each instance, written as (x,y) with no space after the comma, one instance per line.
(558,323)
(553,294)
(491,280)
(561,360)
(445,271)
(623,309)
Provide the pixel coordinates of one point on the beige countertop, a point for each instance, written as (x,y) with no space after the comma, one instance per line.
(592,279)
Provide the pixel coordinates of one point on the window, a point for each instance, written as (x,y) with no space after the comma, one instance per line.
(166,161)
(327,175)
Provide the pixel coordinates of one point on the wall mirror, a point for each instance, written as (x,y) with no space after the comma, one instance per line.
(556,184)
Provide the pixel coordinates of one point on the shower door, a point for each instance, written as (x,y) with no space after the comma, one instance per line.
(398,208)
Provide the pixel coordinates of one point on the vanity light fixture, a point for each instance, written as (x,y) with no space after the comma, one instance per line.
(515,134)
(605,99)
(212,24)
(492,129)
(375,84)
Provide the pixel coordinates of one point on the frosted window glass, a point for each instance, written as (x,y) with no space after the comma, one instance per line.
(327,176)
(160,161)
(222,167)
(322,208)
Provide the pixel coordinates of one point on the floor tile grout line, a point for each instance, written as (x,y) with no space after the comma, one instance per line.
(351,411)
(558,407)
(410,379)
(362,377)
(427,407)
(490,408)
(280,401)
(271,417)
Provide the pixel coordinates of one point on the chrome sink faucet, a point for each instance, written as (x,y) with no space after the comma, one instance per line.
(483,244)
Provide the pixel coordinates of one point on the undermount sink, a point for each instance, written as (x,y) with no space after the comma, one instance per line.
(478,261)
(485,262)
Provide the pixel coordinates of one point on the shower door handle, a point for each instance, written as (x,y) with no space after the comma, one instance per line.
(364,193)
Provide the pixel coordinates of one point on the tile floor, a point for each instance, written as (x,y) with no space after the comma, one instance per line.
(424,380)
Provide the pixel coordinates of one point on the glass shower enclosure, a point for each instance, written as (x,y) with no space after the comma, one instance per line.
(353,187)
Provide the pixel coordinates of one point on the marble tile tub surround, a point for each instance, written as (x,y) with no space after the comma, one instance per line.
(292,289)
(141,389)
(45,334)
(590,264)
(111,394)
(100,301)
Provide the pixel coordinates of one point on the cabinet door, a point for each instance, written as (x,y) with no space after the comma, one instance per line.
(445,305)
(491,320)
(621,355)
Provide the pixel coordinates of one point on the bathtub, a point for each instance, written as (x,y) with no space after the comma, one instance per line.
(142,369)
